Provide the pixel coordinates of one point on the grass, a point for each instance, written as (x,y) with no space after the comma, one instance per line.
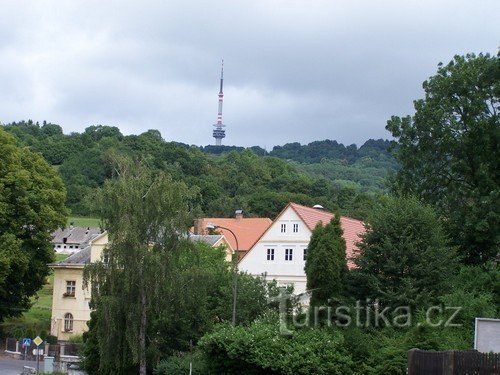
(83,221)
(37,318)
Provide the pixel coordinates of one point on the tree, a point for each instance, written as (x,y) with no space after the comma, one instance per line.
(326,262)
(404,259)
(146,216)
(449,152)
(32,198)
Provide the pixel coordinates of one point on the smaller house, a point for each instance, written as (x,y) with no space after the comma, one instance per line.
(214,240)
(72,239)
(70,300)
(245,231)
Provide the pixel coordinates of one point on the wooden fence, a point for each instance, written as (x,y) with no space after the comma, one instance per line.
(453,362)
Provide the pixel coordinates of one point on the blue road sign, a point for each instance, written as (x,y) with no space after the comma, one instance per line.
(26,341)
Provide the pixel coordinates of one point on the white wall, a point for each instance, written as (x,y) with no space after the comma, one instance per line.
(283,271)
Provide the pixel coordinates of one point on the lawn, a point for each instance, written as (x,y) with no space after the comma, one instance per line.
(37,319)
(83,221)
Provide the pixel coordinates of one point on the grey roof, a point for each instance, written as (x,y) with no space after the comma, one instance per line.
(209,239)
(81,257)
(75,235)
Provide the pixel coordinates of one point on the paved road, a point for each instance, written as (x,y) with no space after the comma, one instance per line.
(9,366)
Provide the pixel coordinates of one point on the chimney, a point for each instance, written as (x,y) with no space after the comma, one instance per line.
(198,226)
(238,214)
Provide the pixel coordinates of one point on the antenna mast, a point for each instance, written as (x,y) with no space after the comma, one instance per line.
(219,131)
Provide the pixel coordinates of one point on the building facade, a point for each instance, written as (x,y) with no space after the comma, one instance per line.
(281,252)
(70,300)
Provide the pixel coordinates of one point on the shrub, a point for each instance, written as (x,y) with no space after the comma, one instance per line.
(179,365)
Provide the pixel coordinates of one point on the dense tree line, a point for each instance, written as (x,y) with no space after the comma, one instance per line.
(227,178)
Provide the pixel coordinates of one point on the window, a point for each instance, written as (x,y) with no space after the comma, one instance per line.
(295,228)
(283,228)
(305,254)
(70,246)
(68,322)
(270,254)
(105,256)
(76,246)
(288,254)
(58,246)
(70,288)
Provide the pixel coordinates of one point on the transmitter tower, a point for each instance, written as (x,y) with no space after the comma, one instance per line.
(219,131)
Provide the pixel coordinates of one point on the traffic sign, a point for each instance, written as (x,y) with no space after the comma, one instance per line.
(26,341)
(37,341)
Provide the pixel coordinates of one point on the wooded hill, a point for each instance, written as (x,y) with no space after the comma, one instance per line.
(345,178)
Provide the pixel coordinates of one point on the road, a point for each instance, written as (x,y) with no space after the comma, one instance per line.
(9,366)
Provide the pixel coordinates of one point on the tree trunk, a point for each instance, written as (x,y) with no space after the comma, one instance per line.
(142,330)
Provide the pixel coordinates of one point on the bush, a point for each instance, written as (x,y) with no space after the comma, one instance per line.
(261,349)
(179,365)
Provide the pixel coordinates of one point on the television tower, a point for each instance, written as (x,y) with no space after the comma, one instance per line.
(219,131)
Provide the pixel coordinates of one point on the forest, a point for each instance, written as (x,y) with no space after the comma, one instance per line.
(227,178)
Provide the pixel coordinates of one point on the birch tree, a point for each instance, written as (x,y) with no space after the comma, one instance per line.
(146,217)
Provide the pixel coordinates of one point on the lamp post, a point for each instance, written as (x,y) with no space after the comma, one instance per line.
(235,266)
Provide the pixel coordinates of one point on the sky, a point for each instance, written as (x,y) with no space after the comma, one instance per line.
(294,70)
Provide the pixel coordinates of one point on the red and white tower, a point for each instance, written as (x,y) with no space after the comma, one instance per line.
(219,131)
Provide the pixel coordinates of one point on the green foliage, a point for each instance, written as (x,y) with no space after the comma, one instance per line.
(158,291)
(146,217)
(227,177)
(404,259)
(31,207)
(326,262)
(179,365)
(449,152)
(261,349)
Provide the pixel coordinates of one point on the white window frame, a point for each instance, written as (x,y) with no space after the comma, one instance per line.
(283,227)
(288,255)
(68,322)
(70,288)
(270,254)
(304,254)
(295,228)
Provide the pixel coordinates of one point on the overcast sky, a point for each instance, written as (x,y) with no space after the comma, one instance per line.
(295,70)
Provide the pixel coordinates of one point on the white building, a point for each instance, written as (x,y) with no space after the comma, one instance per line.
(72,239)
(281,251)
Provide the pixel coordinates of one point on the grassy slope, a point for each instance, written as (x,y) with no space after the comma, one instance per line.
(83,221)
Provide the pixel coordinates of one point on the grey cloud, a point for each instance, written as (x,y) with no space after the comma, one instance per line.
(295,70)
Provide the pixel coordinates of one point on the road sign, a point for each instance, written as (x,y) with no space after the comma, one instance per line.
(37,341)
(26,341)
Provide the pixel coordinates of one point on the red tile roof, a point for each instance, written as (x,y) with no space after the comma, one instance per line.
(353,229)
(248,230)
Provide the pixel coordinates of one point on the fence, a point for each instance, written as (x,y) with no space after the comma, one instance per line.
(15,347)
(11,345)
(453,362)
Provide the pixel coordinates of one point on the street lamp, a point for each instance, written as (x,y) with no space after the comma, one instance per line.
(235,266)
